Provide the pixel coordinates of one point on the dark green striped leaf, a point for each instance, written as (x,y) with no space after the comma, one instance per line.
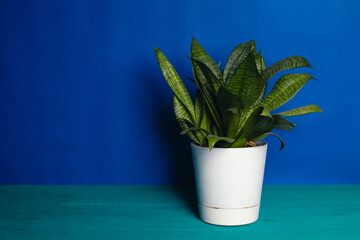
(206,76)
(257,124)
(285,64)
(198,53)
(247,82)
(207,91)
(260,62)
(175,83)
(230,106)
(301,110)
(285,89)
(184,119)
(236,57)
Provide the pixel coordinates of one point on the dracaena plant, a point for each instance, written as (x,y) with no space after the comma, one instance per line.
(230,108)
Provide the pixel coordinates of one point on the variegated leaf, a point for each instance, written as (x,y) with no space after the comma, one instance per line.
(175,83)
(301,110)
(285,64)
(285,89)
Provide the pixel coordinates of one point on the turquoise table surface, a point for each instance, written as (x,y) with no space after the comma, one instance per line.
(168,212)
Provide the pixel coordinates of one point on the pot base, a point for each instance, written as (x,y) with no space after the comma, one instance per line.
(229,216)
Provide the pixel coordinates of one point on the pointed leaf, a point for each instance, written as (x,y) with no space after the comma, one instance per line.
(174,81)
(266,113)
(282,123)
(285,64)
(285,89)
(260,63)
(235,59)
(197,52)
(301,110)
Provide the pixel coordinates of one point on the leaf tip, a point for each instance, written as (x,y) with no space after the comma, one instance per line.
(193,40)
(309,65)
(310,76)
(157,51)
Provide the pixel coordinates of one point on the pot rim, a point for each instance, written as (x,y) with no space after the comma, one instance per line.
(263,144)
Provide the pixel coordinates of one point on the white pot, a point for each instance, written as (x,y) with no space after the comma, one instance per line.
(229,183)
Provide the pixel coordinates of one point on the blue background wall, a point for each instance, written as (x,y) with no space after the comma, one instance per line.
(82,100)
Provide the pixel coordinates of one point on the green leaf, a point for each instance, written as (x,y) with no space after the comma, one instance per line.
(207,91)
(238,143)
(266,113)
(206,76)
(184,119)
(198,53)
(228,100)
(196,131)
(301,110)
(285,64)
(202,112)
(282,123)
(214,129)
(198,108)
(247,82)
(236,57)
(175,83)
(212,139)
(229,106)
(257,124)
(181,111)
(260,63)
(270,133)
(285,89)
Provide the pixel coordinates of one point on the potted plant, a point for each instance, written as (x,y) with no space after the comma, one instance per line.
(226,123)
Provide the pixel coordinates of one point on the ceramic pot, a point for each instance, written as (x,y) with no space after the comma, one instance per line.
(229,183)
